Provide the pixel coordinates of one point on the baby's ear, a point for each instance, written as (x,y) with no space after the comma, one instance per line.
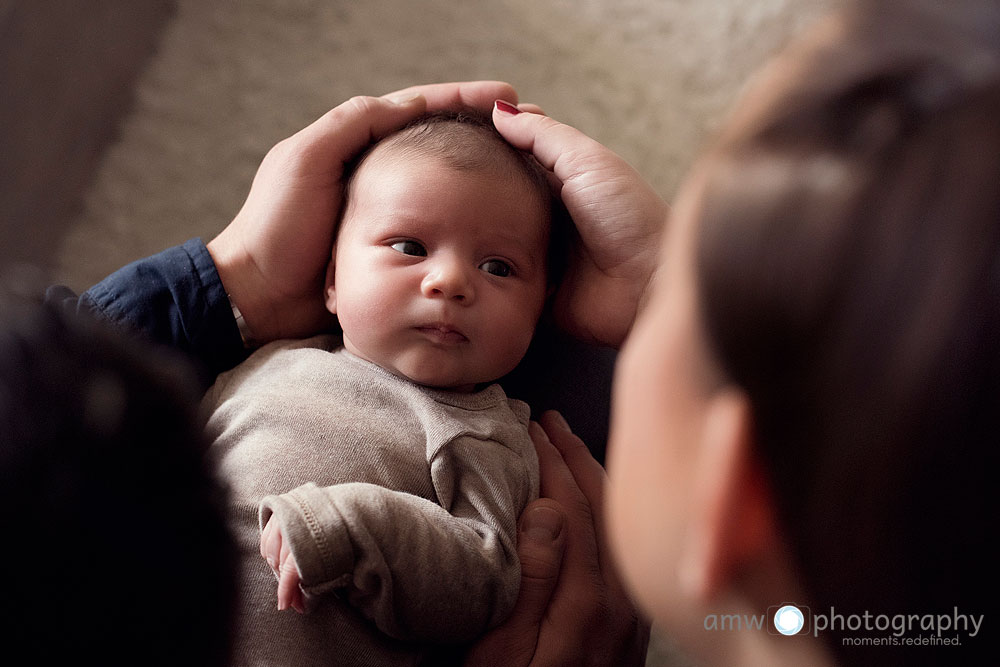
(329,291)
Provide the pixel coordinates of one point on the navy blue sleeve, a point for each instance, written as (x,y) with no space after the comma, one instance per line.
(174,298)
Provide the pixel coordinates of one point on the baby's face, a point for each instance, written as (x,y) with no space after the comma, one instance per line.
(439,275)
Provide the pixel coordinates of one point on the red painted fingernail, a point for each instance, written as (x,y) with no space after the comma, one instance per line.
(507,107)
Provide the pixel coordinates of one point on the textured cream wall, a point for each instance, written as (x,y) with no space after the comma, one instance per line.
(649,78)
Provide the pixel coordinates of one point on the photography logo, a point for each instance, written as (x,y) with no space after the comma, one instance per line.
(788,619)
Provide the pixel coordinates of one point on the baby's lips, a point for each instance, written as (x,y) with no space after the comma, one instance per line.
(445,333)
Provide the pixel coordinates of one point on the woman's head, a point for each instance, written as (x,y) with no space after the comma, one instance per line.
(833,280)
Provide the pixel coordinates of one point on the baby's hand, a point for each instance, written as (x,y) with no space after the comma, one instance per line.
(275,551)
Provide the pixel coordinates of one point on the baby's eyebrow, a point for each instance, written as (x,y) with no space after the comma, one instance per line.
(524,246)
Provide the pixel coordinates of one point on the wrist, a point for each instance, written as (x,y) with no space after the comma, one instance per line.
(246,335)
(233,273)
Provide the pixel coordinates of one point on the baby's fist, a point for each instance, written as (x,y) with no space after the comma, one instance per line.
(275,551)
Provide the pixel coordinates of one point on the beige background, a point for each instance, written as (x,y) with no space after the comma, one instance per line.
(651,79)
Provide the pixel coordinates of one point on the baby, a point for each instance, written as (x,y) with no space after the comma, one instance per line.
(392,468)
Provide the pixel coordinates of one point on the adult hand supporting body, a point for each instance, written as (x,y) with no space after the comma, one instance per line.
(572,609)
(272,258)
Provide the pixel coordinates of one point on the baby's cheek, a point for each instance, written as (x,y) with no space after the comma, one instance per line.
(356,313)
(511,346)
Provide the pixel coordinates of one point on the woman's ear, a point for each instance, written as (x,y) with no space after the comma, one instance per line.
(734,523)
(330,293)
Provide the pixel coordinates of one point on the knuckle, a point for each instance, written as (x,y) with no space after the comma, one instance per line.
(581,507)
(539,568)
(285,156)
(281,151)
(361,104)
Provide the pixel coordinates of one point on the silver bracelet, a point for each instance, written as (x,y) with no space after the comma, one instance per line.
(245,335)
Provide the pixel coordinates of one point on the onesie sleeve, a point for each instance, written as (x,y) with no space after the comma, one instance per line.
(439,572)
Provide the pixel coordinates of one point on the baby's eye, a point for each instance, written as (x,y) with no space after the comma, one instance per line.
(496,267)
(409,248)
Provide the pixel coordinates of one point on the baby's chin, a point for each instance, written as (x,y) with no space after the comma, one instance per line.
(433,371)
(435,377)
(440,381)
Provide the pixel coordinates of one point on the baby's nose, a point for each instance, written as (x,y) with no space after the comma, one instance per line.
(448,279)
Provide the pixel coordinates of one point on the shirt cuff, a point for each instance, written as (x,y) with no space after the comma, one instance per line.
(175,298)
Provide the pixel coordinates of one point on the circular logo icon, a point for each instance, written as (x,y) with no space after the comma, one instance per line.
(789,620)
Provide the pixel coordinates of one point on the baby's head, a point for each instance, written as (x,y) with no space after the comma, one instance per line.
(441,265)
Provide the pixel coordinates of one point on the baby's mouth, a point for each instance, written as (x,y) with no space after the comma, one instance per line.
(442,333)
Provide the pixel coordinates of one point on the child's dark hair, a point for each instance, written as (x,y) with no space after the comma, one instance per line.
(119,551)
(849,270)
(466,140)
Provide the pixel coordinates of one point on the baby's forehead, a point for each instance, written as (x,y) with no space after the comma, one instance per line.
(399,187)
(454,154)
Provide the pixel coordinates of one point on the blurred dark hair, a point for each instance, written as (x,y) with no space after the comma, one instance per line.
(849,268)
(116,547)
(466,140)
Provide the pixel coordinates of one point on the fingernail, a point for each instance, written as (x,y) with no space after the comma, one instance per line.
(270,562)
(535,430)
(403,98)
(561,421)
(542,524)
(507,108)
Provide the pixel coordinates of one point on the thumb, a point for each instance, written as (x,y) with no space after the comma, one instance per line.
(540,545)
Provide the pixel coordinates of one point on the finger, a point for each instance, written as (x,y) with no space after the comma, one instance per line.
(345,130)
(264,536)
(298,600)
(563,149)
(588,473)
(341,133)
(288,583)
(271,545)
(540,545)
(476,94)
(555,479)
(591,477)
(582,558)
(284,551)
(530,108)
(589,589)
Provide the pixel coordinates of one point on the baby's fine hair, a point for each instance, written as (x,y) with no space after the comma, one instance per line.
(466,140)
